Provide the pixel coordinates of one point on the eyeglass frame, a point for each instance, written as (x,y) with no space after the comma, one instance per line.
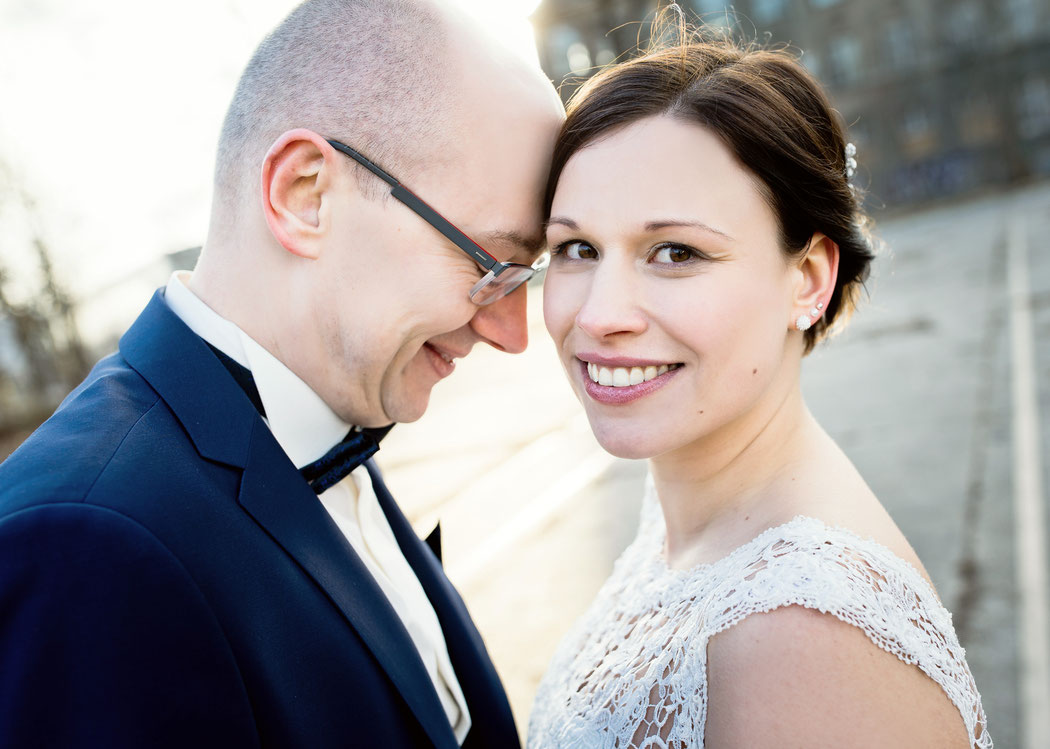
(493,267)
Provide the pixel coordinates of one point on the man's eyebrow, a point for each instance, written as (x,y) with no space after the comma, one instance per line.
(530,245)
(663,224)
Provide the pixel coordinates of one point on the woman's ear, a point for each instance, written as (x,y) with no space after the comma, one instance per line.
(818,271)
(297,178)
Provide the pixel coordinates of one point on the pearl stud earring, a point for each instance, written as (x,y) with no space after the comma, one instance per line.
(803,323)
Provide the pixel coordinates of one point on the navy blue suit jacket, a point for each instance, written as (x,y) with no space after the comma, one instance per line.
(168,579)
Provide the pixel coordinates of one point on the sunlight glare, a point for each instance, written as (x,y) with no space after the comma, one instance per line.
(508,20)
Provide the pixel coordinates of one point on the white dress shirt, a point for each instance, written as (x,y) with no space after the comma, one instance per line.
(306,428)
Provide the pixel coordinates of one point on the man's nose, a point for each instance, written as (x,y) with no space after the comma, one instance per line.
(504,323)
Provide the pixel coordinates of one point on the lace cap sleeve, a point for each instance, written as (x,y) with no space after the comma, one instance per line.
(862,583)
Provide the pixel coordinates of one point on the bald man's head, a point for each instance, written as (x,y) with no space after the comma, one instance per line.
(364,299)
(368,72)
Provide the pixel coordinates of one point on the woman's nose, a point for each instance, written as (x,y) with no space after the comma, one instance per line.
(612,304)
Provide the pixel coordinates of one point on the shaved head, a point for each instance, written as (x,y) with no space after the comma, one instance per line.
(368,72)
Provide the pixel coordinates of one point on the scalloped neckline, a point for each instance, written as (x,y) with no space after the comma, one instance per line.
(703,567)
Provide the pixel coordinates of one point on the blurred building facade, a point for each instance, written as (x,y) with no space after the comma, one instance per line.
(942,97)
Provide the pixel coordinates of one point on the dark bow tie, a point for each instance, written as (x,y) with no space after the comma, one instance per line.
(354,449)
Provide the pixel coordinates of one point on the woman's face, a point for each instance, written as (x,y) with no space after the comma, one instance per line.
(668,296)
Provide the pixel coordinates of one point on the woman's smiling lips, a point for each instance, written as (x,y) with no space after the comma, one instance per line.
(617,380)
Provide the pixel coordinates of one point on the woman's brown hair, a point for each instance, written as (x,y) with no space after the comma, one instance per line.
(771,114)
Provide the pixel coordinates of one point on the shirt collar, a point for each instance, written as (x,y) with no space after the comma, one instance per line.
(303,424)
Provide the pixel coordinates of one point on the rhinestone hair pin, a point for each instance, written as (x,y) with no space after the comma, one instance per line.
(851,161)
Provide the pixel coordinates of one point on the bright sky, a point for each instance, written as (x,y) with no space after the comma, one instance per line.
(109,114)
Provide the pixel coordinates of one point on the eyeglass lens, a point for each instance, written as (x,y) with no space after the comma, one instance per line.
(489,288)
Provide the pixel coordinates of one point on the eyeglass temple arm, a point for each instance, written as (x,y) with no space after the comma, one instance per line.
(432,217)
(364,162)
(445,226)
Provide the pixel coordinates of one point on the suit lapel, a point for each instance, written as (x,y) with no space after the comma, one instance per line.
(278,498)
(217,416)
(225,426)
(491,716)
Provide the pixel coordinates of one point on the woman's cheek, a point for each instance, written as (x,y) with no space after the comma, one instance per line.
(558,306)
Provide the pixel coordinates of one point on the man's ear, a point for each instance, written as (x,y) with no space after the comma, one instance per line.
(298,176)
(818,270)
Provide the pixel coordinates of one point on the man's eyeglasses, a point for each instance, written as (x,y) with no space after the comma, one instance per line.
(500,278)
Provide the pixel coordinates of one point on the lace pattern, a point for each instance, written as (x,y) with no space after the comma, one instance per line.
(632,672)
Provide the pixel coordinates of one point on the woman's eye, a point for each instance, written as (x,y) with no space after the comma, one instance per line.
(575,250)
(673,253)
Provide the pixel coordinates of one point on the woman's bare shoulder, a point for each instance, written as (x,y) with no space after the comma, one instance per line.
(796,676)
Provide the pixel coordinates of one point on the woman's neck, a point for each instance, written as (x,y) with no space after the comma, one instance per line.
(715,491)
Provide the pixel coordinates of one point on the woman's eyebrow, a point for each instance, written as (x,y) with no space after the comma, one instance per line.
(561,221)
(663,224)
(650,226)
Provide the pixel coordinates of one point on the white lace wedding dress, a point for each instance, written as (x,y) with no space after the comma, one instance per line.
(632,672)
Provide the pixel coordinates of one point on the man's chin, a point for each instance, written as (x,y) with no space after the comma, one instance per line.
(407,411)
(376,419)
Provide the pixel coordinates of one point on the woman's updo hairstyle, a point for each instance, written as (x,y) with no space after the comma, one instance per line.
(771,114)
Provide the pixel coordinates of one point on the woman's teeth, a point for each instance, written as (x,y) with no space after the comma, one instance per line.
(620,377)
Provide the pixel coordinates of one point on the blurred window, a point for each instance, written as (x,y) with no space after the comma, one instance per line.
(844,59)
(1021,17)
(979,121)
(918,137)
(900,44)
(1033,107)
(767,11)
(811,59)
(713,12)
(823,3)
(963,24)
(559,39)
(709,6)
